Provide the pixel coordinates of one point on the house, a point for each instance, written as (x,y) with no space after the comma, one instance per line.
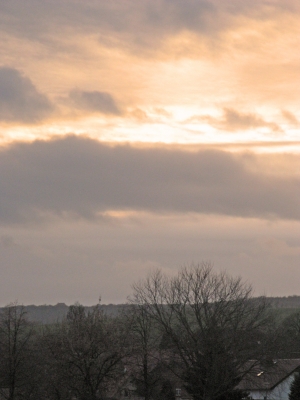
(268,380)
(271,380)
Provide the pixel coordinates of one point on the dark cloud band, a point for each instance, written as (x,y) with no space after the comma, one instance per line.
(82,177)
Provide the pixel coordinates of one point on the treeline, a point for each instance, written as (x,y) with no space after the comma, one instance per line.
(199,332)
(285,302)
(49,314)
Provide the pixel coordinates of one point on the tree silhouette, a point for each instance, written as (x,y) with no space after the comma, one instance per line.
(211,322)
(16,350)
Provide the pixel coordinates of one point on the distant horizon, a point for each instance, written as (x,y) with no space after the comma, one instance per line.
(122,304)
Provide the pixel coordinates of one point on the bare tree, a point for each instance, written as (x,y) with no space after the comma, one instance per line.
(291,335)
(86,352)
(213,325)
(144,360)
(16,367)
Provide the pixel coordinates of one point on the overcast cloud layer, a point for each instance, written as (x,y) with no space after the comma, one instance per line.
(81,177)
(156,17)
(78,260)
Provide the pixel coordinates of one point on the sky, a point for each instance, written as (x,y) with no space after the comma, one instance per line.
(145,134)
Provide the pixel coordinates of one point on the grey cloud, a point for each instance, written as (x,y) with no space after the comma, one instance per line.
(19,99)
(290,117)
(113,16)
(232,120)
(79,177)
(94,101)
(235,120)
(144,22)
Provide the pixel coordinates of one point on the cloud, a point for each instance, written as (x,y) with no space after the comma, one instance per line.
(232,120)
(94,101)
(78,261)
(6,241)
(78,177)
(279,247)
(178,48)
(20,101)
(154,20)
(140,115)
(290,117)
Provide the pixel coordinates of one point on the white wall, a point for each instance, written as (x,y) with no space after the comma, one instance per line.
(281,392)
